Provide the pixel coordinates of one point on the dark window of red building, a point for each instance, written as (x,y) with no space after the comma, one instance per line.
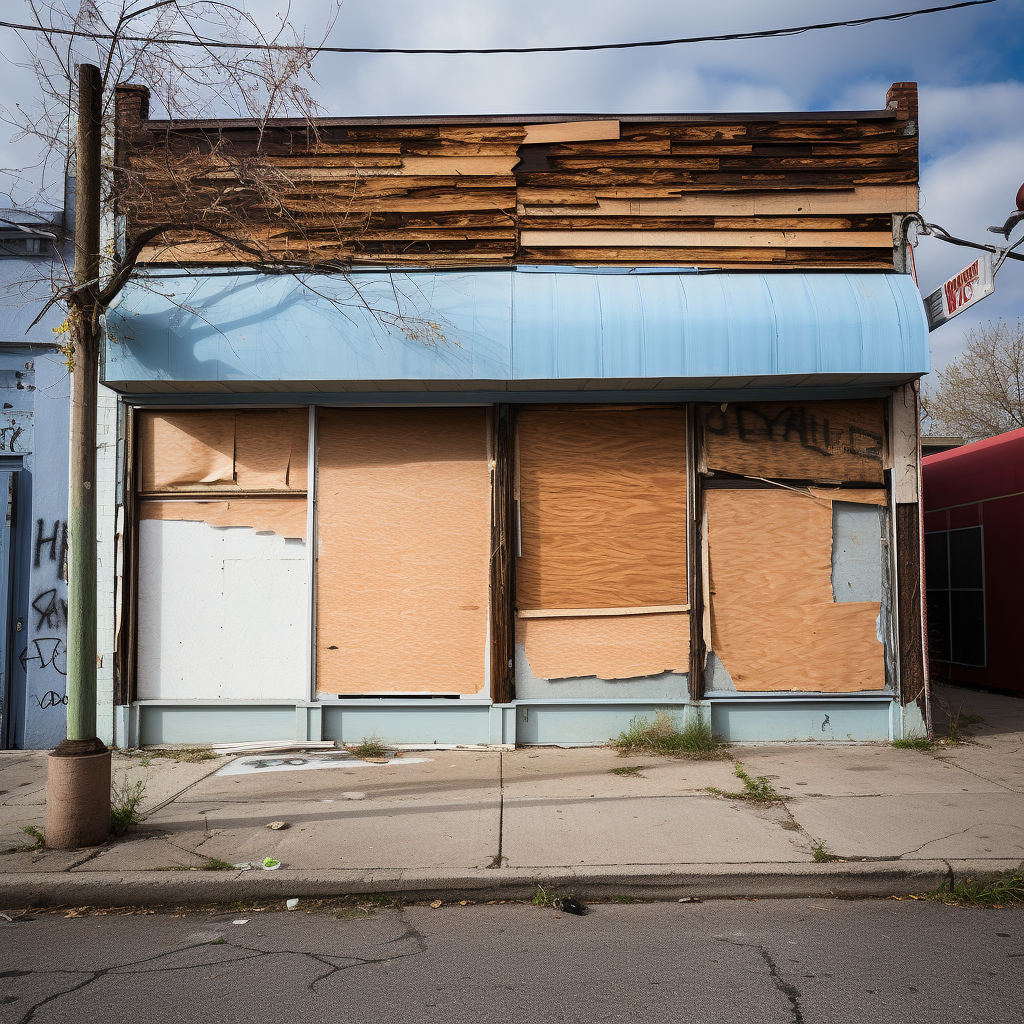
(956,596)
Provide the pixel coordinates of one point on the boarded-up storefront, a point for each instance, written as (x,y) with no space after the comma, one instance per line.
(602,418)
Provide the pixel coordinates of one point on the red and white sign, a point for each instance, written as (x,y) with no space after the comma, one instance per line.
(971,285)
(960,292)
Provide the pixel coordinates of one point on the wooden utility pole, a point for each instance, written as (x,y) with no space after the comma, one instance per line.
(78,775)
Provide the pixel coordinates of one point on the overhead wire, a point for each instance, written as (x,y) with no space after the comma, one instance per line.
(725,37)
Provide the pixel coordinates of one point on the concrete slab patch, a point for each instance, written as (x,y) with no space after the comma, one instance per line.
(350,838)
(954,825)
(660,830)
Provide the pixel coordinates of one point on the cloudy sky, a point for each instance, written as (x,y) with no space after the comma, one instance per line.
(969,64)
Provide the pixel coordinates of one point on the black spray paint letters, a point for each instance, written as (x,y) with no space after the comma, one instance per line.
(46,651)
(58,554)
(794,424)
(51,609)
(51,699)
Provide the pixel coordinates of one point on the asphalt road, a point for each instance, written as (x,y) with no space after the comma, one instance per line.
(789,961)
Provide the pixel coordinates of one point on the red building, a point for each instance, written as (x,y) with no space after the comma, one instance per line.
(974,549)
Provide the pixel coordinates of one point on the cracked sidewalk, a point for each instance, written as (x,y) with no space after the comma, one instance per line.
(498,821)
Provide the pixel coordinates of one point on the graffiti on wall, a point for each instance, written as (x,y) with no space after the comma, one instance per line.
(44,657)
(15,429)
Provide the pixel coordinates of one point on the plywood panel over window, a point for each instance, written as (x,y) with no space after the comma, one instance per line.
(774,622)
(603,508)
(223,450)
(403,533)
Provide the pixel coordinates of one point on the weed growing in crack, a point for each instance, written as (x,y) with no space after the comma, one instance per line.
(758,791)
(37,835)
(370,747)
(125,800)
(821,855)
(958,721)
(215,864)
(631,771)
(695,740)
(1004,890)
(545,897)
(912,743)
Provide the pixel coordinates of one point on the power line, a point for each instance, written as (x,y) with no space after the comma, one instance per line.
(217,44)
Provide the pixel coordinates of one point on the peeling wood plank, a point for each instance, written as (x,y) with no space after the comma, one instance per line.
(570,131)
(709,239)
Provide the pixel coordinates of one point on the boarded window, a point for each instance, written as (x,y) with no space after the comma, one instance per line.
(602,508)
(774,622)
(841,440)
(222,606)
(603,527)
(262,450)
(403,534)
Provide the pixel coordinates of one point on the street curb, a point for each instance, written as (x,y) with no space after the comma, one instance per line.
(705,881)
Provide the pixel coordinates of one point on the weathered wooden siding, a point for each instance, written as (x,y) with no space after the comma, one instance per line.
(751,190)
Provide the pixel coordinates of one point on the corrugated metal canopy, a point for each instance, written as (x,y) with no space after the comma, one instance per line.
(515,330)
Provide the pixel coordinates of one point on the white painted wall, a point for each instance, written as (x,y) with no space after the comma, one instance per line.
(222,613)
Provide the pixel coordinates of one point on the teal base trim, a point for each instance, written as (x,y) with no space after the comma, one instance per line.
(570,723)
(586,723)
(224,724)
(820,720)
(415,722)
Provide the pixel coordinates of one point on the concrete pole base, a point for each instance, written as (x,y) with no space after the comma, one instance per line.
(77,798)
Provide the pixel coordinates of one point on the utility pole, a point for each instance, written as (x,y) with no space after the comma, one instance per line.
(78,771)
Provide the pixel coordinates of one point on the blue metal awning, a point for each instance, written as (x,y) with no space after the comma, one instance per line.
(514,330)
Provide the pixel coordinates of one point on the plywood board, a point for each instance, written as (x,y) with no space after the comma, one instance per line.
(403,550)
(284,516)
(616,647)
(186,450)
(262,450)
(774,624)
(603,508)
(841,440)
(270,449)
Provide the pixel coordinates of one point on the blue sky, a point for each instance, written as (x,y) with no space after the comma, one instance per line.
(969,64)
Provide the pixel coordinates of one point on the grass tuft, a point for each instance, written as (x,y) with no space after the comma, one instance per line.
(695,740)
(370,747)
(958,721)
(758,791)
(821,855)
(37,835)
(215,864)
(912,743)
(632,771)
(545,897)
(125,800)
(1005,890)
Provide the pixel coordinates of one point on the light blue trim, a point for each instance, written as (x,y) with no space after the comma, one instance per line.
(588,328)
(758,718)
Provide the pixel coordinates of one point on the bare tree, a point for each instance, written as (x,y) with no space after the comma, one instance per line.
(981,392)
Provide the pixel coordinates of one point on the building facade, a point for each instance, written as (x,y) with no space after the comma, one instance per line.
(597,416)
(974,507)
(35,395)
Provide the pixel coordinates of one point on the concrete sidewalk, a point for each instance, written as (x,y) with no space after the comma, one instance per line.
(496,823)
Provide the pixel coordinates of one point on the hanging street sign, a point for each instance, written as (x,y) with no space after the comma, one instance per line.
(960,292)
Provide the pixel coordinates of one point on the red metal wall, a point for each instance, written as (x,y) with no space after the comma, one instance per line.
(982,484)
